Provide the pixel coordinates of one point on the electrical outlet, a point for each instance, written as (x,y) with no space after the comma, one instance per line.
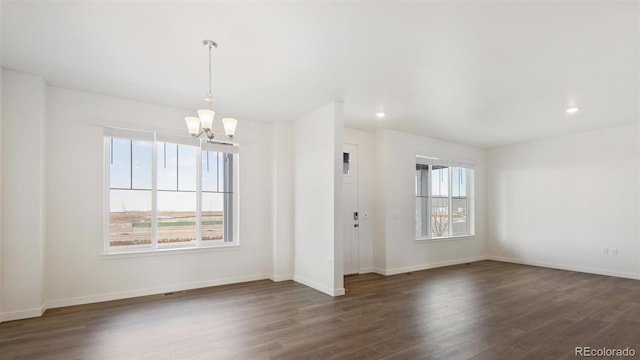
(605,251)
(614,251)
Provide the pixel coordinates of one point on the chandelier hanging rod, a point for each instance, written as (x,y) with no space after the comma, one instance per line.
(210,44)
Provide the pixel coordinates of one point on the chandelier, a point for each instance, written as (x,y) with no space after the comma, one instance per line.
(203,123)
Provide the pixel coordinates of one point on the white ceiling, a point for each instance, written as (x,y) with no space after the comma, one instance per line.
(479,73)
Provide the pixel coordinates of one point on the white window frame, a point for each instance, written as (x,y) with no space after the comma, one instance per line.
(470,166)
(229,148)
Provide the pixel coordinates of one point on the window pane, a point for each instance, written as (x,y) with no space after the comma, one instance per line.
(227,186)
(141,157)
(212,216)
(221,170)
(459,216)
(120,163)
(346,166)
(210,171)
(228,197)
(422,180)
(439,216)
(422,217)
(167,166)
(440,181)
(459,201)
(439,201)
(422,200)
(458,181)
(176,218)
(130,218)
(187,167)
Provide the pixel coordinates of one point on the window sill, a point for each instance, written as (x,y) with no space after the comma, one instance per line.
(169,251)
(446,238)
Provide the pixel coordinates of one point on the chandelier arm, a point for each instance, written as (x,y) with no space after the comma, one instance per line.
(206,132)
(198,134)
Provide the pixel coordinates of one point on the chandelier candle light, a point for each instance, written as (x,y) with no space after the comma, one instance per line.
(203,123)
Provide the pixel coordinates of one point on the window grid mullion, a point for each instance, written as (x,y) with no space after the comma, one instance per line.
(154,194)
(130,164)
(228,206)
(177,167)
(199,197)
(450,211)
(107,198)
(430,193)
(469,202)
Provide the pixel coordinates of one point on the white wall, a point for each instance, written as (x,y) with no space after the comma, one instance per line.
(380,189)
(1,165)
(559,202)
(282,188)
(338,230)
(318,184)
(76,270)
(1,184)
(23,181)
(366,157)
(395,192)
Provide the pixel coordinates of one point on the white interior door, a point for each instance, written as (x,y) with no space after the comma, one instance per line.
(350,213)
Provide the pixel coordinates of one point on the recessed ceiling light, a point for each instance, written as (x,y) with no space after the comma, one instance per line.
(572,110)
(380,115)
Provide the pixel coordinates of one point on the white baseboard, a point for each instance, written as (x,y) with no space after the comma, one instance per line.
(588,270)
(420,267)
(22,314)
(51,304)
(366,270)
(317,286)
(380,271)
(282,277)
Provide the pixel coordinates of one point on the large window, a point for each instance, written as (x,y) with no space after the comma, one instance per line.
(443,198)
(166,193)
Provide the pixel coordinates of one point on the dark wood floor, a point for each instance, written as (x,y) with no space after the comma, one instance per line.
(483,310)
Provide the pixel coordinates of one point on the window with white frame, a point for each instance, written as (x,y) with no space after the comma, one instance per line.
(444,201)
(164,193)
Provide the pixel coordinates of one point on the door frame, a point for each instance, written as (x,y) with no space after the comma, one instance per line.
(355,147)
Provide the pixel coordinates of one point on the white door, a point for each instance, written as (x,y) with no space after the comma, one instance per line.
(350,213)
